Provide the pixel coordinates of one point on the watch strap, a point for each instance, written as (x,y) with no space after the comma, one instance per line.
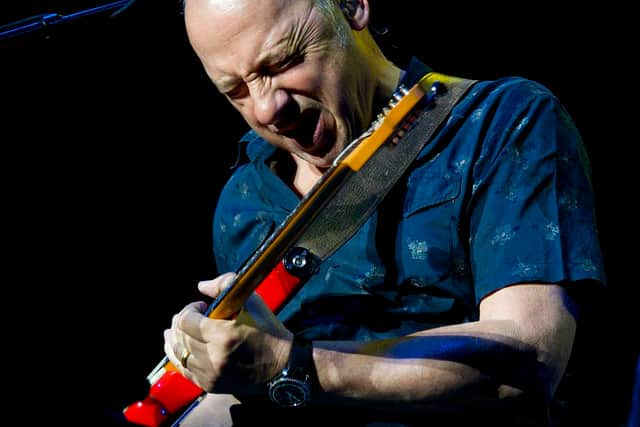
(301,364)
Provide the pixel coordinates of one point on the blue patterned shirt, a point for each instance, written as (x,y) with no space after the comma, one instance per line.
(501,195)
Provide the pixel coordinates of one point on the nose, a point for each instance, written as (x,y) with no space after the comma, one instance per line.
(270,106)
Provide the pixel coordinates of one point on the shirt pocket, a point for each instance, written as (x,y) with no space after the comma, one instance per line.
(429,190)
(424,250)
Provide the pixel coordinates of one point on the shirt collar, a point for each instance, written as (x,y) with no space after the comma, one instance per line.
(414,72)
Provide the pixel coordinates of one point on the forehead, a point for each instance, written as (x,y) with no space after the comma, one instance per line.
(216,19)
(233,33)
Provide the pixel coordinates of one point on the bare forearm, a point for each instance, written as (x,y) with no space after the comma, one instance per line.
(459,364)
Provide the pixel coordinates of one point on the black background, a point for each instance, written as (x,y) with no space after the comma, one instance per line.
(115,145)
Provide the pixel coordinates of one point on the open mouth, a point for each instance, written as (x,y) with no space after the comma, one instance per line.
(308,134)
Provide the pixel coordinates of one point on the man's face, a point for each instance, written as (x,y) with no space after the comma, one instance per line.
(292,68)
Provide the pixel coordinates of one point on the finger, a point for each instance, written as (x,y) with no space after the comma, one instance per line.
(256,312)
(195,325)
(180,349)
(198,306)
(212,288)
(170,347)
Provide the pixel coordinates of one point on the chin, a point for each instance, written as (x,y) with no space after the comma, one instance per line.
(319,162)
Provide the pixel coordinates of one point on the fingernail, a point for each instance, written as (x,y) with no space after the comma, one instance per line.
(203,284)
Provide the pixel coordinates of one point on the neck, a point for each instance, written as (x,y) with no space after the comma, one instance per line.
(305,176)
(384,74)
(388,74)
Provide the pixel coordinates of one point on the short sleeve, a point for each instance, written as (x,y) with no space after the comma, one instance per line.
(532,213)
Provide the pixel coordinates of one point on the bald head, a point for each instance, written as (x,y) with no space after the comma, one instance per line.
(228,7)
(222,5)
(218,23)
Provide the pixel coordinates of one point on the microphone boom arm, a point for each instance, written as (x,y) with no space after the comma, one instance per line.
(45,21)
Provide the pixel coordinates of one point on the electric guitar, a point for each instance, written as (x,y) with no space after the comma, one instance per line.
(290,255)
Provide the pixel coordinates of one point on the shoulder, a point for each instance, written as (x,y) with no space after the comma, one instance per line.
(501,111)
(515,110)
(513,87)
(508,95)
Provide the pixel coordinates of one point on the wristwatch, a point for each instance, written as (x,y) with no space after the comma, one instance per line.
(293,385)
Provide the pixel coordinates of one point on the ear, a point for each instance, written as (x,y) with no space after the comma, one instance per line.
(356,12)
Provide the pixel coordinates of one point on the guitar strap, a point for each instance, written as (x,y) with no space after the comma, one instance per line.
(362,192)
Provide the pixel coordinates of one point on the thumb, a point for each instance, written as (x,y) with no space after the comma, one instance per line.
(212,288)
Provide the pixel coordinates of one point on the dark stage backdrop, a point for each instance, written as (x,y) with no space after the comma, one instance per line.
(115,146)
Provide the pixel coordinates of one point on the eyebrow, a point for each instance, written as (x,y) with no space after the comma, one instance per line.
(274,56)
(225,84)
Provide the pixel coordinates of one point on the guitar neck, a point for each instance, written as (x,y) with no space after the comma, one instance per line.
(350,161)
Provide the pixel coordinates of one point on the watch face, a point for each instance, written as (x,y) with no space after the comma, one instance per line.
(289,392)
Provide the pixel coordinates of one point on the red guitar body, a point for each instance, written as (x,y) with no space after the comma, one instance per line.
(172,392)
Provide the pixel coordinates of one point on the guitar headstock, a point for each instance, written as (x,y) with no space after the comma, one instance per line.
(395,98)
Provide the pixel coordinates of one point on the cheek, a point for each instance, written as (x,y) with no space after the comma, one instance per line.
(319,77)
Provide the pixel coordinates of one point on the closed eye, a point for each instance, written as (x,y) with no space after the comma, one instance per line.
(241,90)
(284,65)
(238,92)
